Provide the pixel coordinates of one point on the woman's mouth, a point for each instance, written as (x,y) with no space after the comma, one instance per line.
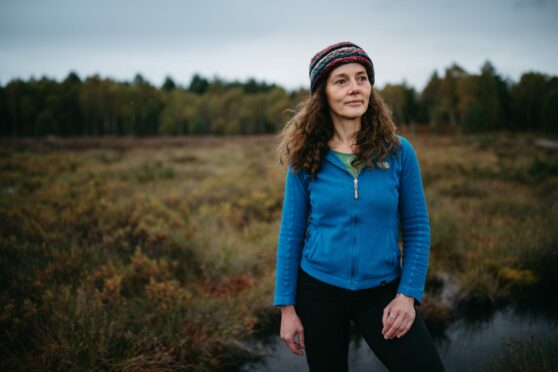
(354,103)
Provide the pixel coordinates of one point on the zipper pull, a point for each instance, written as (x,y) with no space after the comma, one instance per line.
(356,188)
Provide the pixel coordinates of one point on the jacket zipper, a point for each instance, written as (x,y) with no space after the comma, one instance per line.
(355,205)
(355,199)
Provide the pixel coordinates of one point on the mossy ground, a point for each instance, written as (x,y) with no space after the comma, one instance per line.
(159,253)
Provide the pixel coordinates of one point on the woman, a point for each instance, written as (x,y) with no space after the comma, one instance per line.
(351,184)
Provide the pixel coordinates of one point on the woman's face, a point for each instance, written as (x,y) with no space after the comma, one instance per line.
(348,91)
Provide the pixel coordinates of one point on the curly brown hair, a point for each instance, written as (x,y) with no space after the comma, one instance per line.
(303,141)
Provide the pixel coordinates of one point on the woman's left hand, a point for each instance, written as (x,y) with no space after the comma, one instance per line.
(398,317)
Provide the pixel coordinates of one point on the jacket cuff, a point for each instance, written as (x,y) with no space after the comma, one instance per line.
(283,301)
(408,291)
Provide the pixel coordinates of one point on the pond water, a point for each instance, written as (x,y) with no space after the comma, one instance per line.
(465,346)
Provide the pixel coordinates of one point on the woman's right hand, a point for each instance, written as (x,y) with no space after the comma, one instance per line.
(292,332)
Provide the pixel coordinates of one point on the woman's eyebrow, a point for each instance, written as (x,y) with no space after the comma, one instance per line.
(344,74)
(339,74)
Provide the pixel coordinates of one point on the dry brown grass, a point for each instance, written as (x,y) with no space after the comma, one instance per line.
(159,253)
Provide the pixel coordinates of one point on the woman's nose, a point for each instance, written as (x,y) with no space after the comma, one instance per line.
(353,87)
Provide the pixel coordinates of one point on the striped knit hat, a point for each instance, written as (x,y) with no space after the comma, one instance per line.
(336,55)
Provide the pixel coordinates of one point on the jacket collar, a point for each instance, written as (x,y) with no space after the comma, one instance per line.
(334,159)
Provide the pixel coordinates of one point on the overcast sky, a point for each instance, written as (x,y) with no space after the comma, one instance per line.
(272,40)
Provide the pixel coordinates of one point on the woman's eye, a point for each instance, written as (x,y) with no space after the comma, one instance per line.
(339,82)
(362,78)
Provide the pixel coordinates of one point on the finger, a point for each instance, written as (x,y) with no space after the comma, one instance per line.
(395,327)
(301,339)
(386,319)
(292,346)
(289,341)
(390,321)
(297,342)
(407,327)
(386,314)
(404,329)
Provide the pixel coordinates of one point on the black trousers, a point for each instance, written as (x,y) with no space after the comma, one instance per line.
(326,311)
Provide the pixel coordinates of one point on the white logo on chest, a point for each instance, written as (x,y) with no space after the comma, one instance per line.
(382,164)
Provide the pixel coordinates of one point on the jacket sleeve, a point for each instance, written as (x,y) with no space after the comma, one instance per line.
(415,225)
(292,233)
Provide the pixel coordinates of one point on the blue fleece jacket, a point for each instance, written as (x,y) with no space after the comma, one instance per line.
(344,230)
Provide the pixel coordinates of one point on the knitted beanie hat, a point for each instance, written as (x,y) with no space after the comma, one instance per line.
(336,55)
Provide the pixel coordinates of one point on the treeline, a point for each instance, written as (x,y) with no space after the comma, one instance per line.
(97,107)
(459,101)
(467,102)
